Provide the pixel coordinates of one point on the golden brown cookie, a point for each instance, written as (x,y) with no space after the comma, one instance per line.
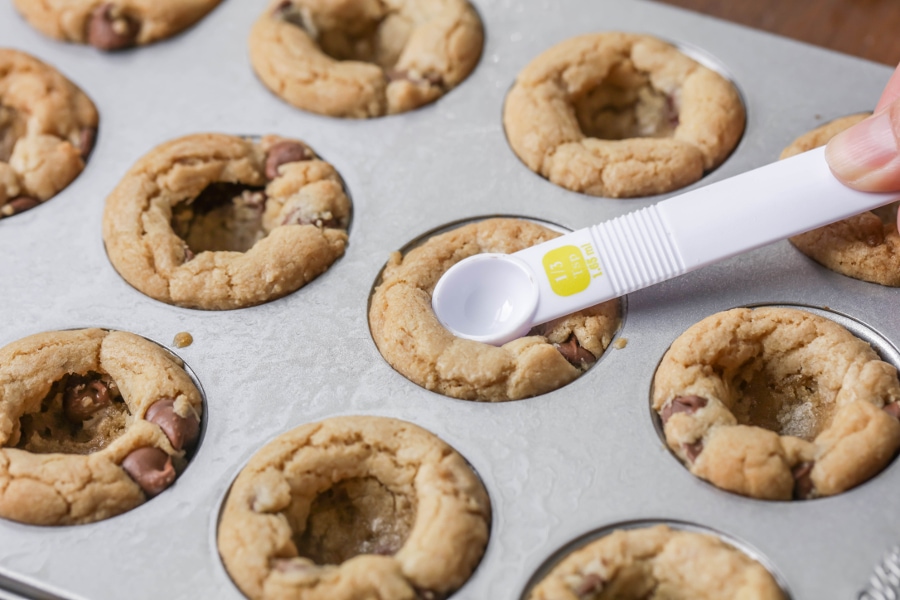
(413,341)
(217,222)
(92,423)
(657,562)
(777,403)
(113,25)
(866,246)
(365,58)
(47,130)
(354,507)
(621,115)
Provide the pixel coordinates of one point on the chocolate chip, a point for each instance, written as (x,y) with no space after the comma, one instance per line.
(577,356)
(682,404)
(86,141)
(693,450)
(893,409)
(434,79)
(151,468)
(803,484)
(110,29)
(590,585)
(283,153)
(290,13)
(672,116)
(18,205)
(84,397)
(181,431)
(282,8)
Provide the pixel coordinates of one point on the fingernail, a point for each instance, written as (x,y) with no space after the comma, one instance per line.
(856,153)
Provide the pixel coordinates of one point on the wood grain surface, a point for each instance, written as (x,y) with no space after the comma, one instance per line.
(868,29)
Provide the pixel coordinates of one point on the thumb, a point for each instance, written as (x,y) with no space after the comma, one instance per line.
(867,156)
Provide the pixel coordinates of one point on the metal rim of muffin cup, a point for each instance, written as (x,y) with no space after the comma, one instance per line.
(253,138)
(694,52)
(189,456)
(883,347)
(221,497)
(422,238)
(584,539)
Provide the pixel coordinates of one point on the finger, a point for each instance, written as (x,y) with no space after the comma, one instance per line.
(891,91)
(867,156)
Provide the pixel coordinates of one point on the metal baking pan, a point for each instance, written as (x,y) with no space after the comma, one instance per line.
(557,466)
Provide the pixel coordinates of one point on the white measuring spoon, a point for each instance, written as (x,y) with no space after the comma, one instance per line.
(496,298)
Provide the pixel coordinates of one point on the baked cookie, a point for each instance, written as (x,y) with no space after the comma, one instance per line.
(217,221)
(621,115)
(865,246)
(777,403)
(365,58)
(47,131)
(92,424)
(657,562)
(412,340)
(354,507)
(113,25)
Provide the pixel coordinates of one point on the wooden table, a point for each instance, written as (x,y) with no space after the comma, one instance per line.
(869,29)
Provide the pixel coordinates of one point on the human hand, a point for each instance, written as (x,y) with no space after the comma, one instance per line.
(867,156)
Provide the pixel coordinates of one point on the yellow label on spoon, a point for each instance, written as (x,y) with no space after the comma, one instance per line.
(566,270)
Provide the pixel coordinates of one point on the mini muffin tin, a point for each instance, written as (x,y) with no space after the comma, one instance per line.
(557,466)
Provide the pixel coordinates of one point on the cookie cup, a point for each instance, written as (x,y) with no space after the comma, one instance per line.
(778,404)
(411,338)
(47,130)
(362,59)
(428,540)
(621,115)
(54,488)
(293,212)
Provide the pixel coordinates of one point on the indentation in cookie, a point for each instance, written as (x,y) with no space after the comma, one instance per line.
(371,32)
(355,516)
(225,216)
(12,127)
(786,403)
(80,415)
(625,105)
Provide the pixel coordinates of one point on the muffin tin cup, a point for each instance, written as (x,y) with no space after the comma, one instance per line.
(555,466)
